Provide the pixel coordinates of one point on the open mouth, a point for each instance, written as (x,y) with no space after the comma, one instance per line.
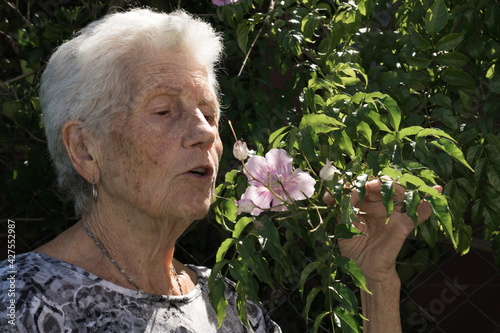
(201,171)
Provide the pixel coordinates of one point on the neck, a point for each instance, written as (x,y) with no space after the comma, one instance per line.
(139,251)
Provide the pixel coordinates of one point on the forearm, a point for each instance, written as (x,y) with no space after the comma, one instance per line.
(381,308)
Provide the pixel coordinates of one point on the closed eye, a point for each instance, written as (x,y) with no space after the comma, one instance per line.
(163,112)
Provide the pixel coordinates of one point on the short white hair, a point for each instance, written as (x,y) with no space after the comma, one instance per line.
(84,79)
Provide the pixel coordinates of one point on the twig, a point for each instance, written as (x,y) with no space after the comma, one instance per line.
(266,21)
(18,12)
(22,76)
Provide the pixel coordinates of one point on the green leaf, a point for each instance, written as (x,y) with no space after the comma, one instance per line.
(320,123)
(435,132)
(452,59)
(309,23)
(240,226)
(440,207)
(241,301)
(418,182)
(394,113)
(317,321)
(457,77)
(242,35)
(218,300)
(451,149)
(311,295)
(255,261)
(493,177)
(360,187)
(420,42)
(349,267)
(449,42)
(345,144)
(436,17)
(375,116)
(429,230)
(230,210)
(346,231)
(345,296)
(441,99)
(464,238)
(446,117)
(365,129)
(345,320)
(409,131)
(277,136)
(306,272)
(270,231)
(391,172)
(412,201)
(11,108)
(466,101)
(388,195)
(269,238)
(221,252)
(418,63)
(230,176)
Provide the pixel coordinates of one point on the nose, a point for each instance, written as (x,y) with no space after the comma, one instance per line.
(201,133)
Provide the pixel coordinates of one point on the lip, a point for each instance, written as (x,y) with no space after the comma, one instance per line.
(208,172)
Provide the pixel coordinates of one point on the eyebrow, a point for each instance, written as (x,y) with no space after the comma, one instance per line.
(169,88)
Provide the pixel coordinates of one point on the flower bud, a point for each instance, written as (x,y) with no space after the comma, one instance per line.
(240,150)
(328,171)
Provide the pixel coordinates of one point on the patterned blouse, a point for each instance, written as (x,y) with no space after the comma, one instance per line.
(54,296)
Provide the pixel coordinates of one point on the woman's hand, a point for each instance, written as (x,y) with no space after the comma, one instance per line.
(376,253)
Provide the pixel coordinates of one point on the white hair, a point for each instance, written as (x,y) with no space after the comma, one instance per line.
(86,78)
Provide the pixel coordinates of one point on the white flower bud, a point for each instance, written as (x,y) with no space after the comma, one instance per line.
(328,171)
(240,150)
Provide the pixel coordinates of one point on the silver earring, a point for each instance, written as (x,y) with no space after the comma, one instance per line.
(94,191)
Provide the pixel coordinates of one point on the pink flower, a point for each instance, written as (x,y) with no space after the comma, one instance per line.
(223,2)
(275,171)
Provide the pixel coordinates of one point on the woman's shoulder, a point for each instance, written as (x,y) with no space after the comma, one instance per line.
(43,270)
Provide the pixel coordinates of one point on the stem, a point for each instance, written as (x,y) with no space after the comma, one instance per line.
(320,221)
(232,129)
(22,76)
(266,21)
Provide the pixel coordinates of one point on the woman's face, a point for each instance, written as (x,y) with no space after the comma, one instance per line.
(162,158)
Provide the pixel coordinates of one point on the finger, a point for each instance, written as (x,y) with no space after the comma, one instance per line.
(328,199)
(374,190)
(424,210)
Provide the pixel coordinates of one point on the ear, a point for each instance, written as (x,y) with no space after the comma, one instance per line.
(81,149)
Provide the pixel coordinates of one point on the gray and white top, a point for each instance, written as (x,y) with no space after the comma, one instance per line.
(55,296)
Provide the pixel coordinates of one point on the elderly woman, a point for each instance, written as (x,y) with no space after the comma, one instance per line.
(130,108)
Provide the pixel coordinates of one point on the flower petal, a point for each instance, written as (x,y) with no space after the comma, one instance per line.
(279,162)
(260,196)
(298,184)
(257,167)
(245,206)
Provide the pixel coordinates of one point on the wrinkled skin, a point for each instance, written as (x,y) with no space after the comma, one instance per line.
(376,253)
(155,173)
(171,130)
